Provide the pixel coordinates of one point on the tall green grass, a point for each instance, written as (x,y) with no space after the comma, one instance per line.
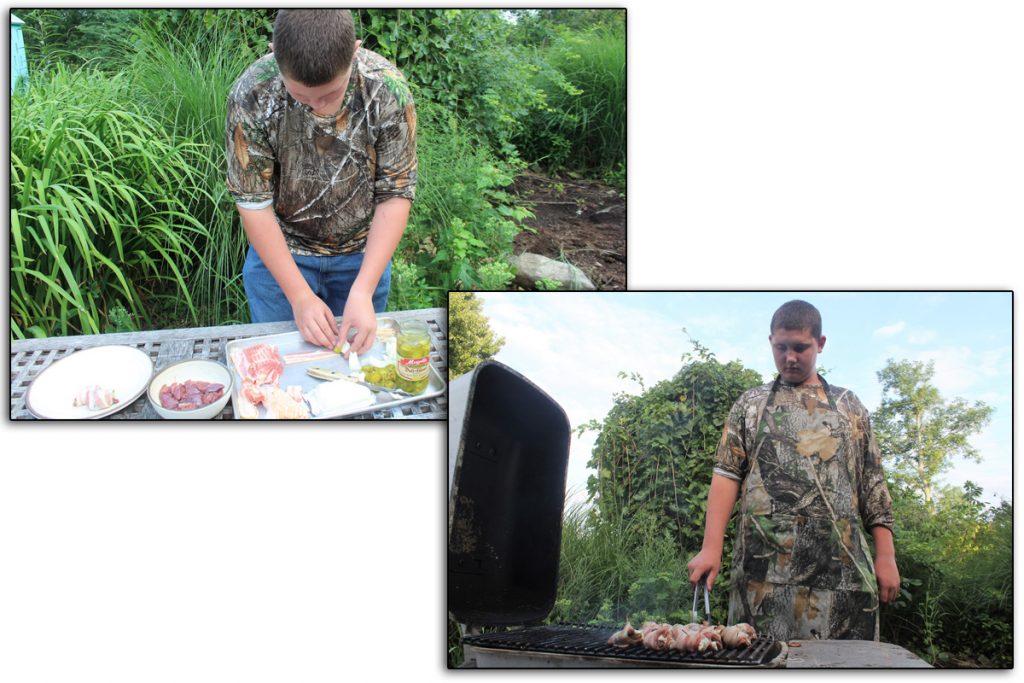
(584,125)
(614,569)
(94,227)
(186,86)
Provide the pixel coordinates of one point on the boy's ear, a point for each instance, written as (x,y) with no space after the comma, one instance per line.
(270,46)
(358,43)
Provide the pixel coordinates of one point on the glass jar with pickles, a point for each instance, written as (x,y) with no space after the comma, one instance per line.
(412,367)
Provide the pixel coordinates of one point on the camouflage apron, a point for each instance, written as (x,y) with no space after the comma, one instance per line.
(802,567)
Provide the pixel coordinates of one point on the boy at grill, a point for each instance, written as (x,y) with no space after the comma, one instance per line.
(800,455)
(321,162)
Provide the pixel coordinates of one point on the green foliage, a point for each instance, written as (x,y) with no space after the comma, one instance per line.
(185,84)
(475,84)
(956,561)
(462,60)
(544,26)
(470,338)
(464,221)
(583,78)
(74,37)
(919,432)
(625,556)
(655,451)
(93,226)
(546,284)
(954,552)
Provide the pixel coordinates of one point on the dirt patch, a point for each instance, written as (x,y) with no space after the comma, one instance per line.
(579,221)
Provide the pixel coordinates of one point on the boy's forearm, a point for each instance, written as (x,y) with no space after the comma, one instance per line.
(721,499)
(267,239)
(389,220)
(884,546)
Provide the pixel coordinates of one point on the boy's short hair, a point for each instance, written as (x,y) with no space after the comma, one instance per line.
(313,46)
(797,315)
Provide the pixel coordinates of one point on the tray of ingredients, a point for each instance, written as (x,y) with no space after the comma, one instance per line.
(284,377)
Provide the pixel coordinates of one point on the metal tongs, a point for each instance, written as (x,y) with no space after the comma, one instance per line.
(707,601)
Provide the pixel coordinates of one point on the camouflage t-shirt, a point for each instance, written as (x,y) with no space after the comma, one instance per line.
(324,175)
(811,483)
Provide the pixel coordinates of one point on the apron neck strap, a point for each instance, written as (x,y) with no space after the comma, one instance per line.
(778,383)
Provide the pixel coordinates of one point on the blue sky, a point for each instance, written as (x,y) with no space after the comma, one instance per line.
(573,345)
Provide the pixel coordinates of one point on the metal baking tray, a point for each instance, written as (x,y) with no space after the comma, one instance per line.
(295,374)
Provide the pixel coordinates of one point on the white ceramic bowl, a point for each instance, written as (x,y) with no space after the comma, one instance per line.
(195,370)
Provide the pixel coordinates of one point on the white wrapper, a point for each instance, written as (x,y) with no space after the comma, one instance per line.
(339,395)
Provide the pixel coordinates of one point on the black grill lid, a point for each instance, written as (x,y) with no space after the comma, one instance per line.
(508,449)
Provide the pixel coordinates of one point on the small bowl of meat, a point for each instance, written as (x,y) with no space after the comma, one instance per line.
(190,390)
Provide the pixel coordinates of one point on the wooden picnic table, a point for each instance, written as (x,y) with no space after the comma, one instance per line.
(29,357)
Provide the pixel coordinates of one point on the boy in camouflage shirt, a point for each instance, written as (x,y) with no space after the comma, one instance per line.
(801,456)
(321,159)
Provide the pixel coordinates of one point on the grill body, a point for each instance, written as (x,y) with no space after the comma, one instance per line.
(578,646)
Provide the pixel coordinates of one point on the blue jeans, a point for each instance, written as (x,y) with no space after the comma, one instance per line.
(330,278)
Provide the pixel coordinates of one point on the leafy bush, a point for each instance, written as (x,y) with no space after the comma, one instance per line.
(462,60)
(655,451)
(73,37)
(956,564)
(93,225)
(583,126)
(463,221)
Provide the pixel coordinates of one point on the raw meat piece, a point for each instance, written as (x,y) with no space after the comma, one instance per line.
(251,391)
(260,362)
(246,409)
(189,394)
(281,405)
(95,397)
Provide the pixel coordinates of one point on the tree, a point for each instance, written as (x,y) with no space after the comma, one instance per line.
(470,338)
(654,453)
(918,431)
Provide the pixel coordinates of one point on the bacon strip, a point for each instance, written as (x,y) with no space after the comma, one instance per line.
(306,356)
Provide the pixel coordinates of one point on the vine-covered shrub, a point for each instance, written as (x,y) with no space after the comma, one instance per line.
(655,451)
(653,460)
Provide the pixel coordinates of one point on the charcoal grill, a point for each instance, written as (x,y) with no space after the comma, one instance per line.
(577,645)
(508,449)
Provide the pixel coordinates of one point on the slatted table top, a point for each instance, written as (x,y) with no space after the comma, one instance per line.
(29,357)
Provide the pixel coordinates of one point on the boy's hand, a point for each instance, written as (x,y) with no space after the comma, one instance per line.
(888,578)
(315,321)
(708,562)
(359,314)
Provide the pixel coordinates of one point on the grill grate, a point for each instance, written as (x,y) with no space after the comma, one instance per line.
(590,641)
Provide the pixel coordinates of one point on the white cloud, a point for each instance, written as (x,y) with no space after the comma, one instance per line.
(958,369)
(890,330)
(922,336)
(574,345)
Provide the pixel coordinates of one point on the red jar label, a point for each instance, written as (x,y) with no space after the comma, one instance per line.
(413,369)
